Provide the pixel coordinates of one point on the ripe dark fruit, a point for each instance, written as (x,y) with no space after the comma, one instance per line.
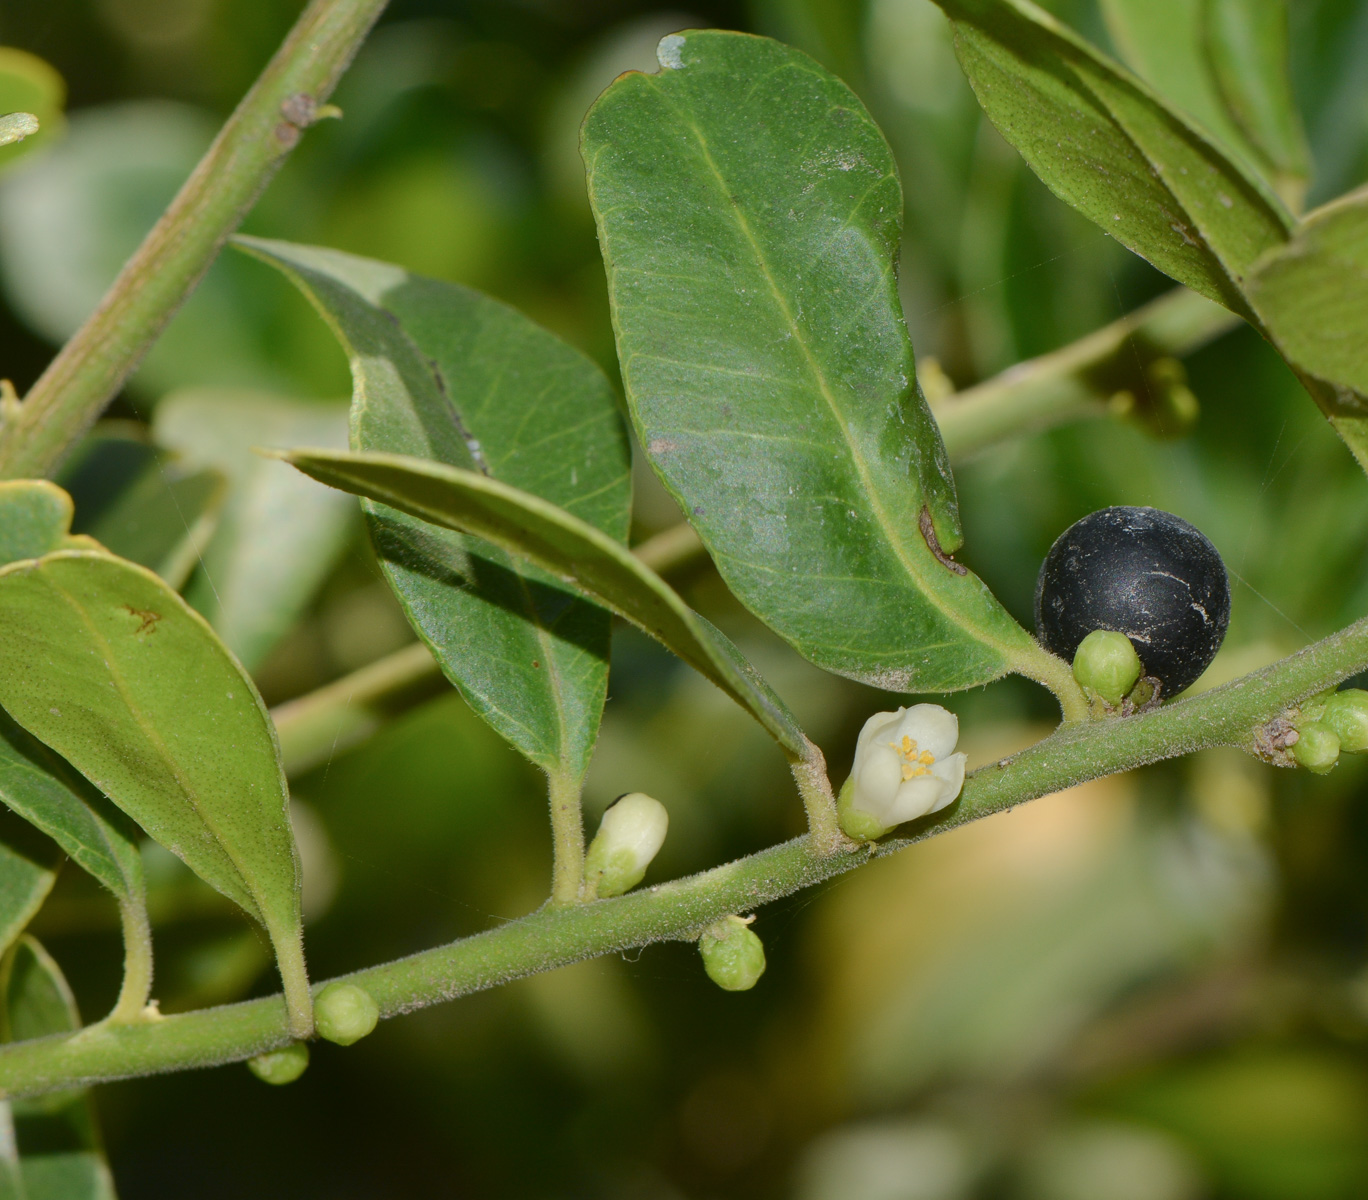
(1141,572)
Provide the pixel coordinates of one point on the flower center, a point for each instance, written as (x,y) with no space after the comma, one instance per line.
(914,762)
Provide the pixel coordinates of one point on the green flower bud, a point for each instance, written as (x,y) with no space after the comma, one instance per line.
(1107,663)
(280,1066)
(630,834)
(345,1013)
(1316,748)
(733,956)
(855,822)
(1346,713)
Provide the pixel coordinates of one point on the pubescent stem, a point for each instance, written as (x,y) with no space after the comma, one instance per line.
(567,838)
(1057,675)
(289,950)
(89,370)
(136,989)
(819,802)
(556,936)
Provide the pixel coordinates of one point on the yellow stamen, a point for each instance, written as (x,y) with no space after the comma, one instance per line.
(926,757)
(907,772)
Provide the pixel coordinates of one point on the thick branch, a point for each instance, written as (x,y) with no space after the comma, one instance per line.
(553,937)
(89,370)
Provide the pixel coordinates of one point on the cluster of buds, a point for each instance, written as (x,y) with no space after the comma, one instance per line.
(1329,725)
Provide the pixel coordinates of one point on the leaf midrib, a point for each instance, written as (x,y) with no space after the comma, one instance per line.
(796,332)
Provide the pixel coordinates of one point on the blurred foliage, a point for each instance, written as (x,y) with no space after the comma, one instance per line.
(1151,988)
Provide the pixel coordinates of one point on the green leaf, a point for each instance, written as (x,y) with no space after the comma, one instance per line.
(1247,45)
(571,550)
(34,518)
(28,84)
(60,1156)
(108,666)
(1222,63)
(271,517)
(749,212)
(1104,143)
(1313,296)
(41,788)
(163,519)
(28,869)
(446,374)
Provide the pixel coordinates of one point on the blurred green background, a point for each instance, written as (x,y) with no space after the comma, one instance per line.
(1154,987)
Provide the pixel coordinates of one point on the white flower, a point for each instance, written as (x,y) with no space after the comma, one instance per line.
(905,766)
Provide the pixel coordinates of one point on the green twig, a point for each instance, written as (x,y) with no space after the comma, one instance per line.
(557,936)
(89,370)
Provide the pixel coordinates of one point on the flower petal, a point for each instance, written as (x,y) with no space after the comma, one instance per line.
(950,771)
(879,728)
(932,727)
(916,798)
(876,782)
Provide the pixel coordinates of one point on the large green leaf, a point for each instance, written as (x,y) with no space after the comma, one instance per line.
(1224,64)
(571,550)
(108,666)
(1313,296)
(272,517)
(60,1156)
(446,374)
(44,790)
(1104,143)
(749,213)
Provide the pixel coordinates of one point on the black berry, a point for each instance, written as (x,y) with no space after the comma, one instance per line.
(1141,572)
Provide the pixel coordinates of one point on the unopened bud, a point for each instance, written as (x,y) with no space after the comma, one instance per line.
(1107,663)
(733,956)
(280,1066)
(1346,713)
(628,838)
(345,1013)
(1316,748)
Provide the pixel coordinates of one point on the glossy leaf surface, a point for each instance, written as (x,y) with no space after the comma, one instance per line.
(114,671)
(570,549)
(278,536)
(750,213)
(60,1156)
(1106,145)
(1313,295)
(446,374)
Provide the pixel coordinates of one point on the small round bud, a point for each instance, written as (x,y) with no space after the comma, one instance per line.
(1107,663)
(1346,713)
(631,832)
(345,1013)
(733,956)
(280,1066)
(1316,748)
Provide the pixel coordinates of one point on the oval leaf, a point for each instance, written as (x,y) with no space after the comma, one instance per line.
(447,374)
(1106,145)
(572,550)
(34,518)
(28,869)
(108,666)
(749,212)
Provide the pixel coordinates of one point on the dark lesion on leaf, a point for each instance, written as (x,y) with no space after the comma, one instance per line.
(928,531)
(147,618)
